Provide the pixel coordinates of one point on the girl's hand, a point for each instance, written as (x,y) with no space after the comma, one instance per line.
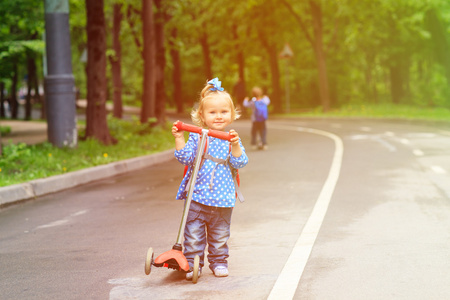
(236,150)
(175,132)
(179,137)
(235,140)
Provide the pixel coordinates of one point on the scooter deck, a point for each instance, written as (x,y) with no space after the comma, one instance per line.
(172,259)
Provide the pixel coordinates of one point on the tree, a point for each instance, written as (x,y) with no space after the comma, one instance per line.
(316,41)
(441,40)
(382,50)
(19,40)
(267,28)
(176,73)
(148,31)
(161,17)
(96,124)
(272,51)
(116,62)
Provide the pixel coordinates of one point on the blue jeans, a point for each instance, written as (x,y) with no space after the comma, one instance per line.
(259,128)
(207,225)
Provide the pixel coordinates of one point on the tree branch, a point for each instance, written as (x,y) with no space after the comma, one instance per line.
(299,20)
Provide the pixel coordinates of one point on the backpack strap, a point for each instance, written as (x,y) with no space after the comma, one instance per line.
(218,161)
(236,179)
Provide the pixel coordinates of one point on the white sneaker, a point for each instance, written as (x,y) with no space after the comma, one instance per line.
(190,274)
(221,271)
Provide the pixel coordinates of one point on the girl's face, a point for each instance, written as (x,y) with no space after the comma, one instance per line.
(216,113)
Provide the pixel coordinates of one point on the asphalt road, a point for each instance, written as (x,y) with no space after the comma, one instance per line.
(354,209)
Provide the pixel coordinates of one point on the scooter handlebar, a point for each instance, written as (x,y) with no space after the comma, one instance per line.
(214,133)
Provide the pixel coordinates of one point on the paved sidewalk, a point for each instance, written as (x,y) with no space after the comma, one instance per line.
(28,132)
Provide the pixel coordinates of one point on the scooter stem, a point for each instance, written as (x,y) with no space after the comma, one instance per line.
(187,204)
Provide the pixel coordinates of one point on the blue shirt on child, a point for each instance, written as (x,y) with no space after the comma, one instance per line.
(222,192)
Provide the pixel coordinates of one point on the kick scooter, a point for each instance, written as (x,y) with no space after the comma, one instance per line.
(174,258)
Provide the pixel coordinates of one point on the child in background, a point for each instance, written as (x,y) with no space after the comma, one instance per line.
(258,104)
(208,221)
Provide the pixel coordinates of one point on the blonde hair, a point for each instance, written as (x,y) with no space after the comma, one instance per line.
(257,92)
(206,94)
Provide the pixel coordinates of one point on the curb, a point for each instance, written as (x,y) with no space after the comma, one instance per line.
(24,191)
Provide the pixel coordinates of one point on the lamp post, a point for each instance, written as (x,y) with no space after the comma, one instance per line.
(287,53)
(59,81)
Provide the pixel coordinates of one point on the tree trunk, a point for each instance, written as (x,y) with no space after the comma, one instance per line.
(148,97)
(2,100)
(316,42)
(31,68)
(13,103)
(2,113)
(116,61)
(176,75)
(160,101)
(37,95)
(96,123)
(274,71)
(320,55)
(370,87)
(240,53)
(396,83)
(43,109)
(240,86)
(206,55)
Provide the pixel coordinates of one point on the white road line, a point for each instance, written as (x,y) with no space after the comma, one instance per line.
(387,145)
(438,170)
(418,152)
(53,224)
(376,138)
(79,213)
(359,137)
(404,141)
(289,278)
(63,221)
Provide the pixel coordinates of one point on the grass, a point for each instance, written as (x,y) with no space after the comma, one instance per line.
(381,111)
(4,130)
(21,163)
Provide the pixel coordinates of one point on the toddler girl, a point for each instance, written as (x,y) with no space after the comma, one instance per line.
(208,221)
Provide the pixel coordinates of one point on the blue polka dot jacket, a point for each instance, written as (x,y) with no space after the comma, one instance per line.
(221,191)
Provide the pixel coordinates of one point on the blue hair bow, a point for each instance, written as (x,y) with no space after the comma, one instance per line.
(216,84)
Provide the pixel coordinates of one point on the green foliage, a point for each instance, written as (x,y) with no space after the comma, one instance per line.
(4,130)
(21,28)
(368,43)
(382,111)
(21,163)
